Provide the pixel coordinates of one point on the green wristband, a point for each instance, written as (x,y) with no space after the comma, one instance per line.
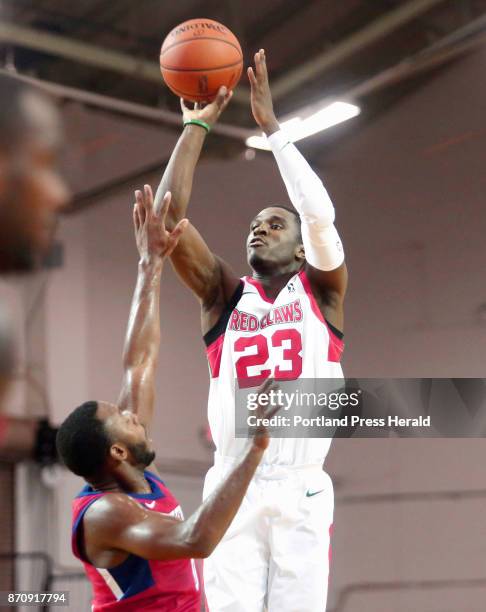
(198,122)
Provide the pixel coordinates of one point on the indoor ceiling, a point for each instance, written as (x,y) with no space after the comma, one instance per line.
(369,51)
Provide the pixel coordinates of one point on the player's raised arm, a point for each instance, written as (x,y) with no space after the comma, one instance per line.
(324,253)
(142,340)
(205,274)
(120,523)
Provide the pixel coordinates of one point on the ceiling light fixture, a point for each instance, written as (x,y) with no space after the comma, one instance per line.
(298,128)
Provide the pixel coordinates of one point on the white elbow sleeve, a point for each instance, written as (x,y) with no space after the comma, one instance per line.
(323,247)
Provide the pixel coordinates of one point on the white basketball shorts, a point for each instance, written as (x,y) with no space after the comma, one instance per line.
(275,555)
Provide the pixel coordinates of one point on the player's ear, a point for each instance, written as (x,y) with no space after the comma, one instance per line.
(118,452)
(300,253)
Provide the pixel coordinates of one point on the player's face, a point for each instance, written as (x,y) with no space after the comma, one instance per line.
(273,240)
(124,427)
(32,192)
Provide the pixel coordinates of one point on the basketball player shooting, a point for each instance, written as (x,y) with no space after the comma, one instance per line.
(127,526)
(294,299)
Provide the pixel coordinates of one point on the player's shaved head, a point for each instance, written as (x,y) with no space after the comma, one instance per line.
(13,118)
(25,110)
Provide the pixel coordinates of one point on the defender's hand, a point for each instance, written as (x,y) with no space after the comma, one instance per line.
(153,240)
(209,113)
(261,436)
(261,97)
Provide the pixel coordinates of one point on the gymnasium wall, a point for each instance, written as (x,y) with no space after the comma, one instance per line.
(408,190)
(411,187)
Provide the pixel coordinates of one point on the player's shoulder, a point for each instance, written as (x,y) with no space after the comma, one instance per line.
(112,511)
(106,522)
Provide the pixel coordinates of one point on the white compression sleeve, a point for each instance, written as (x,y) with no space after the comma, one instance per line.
(323,247)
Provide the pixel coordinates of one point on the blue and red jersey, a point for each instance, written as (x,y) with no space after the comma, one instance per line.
(136,583)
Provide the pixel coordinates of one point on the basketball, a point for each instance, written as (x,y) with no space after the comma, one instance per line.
(198,57)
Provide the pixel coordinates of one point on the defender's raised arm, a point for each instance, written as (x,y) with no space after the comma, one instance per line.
(142,339)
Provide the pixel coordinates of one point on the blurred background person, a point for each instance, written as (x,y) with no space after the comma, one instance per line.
(32,190)
(32,194)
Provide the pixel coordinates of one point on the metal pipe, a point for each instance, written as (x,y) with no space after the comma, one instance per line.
(85,53)
(351,45)
(413,66)
(149,71)
(451,46)
(131,109)
(437,54)
(79,51)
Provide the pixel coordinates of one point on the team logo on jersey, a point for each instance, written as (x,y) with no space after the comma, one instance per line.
(291,287)
(288,313)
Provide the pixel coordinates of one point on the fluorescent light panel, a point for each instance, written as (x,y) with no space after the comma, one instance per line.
(298,128)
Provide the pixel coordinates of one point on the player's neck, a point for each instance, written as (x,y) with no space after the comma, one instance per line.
(273,282)
(126,480)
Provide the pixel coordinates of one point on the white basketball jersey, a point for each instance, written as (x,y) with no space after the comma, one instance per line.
(286,338)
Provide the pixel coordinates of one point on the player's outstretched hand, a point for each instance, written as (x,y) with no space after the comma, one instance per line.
(261,97)
(266,410)
(209,113)
(153,240)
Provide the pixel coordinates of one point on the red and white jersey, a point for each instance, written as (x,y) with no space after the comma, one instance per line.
(139,584)
(255,338)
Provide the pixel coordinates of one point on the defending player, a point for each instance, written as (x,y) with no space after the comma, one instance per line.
(285,321)
(127,527)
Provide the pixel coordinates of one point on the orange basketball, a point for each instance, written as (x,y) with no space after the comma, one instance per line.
(198,56)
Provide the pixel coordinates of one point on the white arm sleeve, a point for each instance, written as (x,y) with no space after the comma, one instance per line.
(323,247)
